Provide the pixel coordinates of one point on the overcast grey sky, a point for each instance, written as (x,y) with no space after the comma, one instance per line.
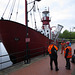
(61,12)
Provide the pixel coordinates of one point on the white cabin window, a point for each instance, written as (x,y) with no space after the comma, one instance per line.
(44,18)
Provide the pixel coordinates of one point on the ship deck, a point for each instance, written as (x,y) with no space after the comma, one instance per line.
(40,66)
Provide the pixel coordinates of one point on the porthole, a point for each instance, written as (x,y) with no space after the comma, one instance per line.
(17,39)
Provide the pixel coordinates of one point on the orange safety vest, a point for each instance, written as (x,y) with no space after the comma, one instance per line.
(69,53)
(62,45)
(50,47)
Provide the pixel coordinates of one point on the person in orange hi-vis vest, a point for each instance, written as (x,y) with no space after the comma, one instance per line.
(68,55)
(52,49)
(62,46)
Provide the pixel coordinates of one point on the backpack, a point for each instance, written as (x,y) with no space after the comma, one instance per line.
(53,51)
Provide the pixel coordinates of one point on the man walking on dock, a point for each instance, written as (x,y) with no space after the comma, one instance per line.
(52,49)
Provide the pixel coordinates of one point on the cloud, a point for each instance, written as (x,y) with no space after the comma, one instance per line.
(61,11)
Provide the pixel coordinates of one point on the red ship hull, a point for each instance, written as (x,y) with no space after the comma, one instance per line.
(13,36)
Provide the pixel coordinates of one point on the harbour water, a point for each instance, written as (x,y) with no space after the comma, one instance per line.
(4,58)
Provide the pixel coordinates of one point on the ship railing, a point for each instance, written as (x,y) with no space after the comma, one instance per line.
(43,51)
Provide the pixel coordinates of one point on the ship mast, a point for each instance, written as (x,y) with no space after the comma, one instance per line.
(26,12)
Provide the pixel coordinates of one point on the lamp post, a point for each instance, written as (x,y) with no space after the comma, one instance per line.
(26,20)
(27,58)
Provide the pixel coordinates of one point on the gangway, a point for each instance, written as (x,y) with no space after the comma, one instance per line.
(57,32)
(4,57)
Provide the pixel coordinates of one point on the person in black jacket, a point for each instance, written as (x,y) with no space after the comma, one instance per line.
(52,49)
(73,57)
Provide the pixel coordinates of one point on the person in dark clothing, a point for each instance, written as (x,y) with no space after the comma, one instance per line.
(68,55)
(73,57)
(52,49)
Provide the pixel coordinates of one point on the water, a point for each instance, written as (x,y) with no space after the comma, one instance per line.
(5,58)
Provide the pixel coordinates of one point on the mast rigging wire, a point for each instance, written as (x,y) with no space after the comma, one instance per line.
(38,12)
(5,9)
(31,19)
(33,12)
(31,15)
(34,20)
(12,7)
(17,9)
(32,7)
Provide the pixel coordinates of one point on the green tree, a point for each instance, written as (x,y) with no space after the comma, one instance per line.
(60,35)
(73,35)
(66,34)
